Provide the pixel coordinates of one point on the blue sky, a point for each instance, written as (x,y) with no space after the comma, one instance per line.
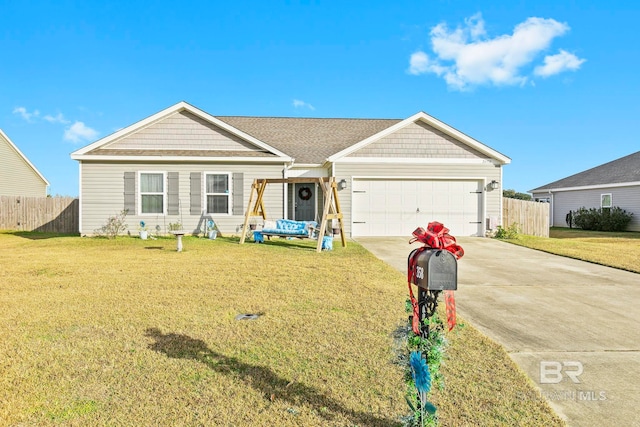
(553,85)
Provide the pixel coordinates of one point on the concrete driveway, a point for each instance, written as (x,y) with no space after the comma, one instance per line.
(572,326)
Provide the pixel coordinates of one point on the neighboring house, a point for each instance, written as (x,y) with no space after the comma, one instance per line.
(183,164)
(18,176)
(616,183)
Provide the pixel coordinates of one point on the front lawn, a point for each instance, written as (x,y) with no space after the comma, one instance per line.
(130,332)
(620,250)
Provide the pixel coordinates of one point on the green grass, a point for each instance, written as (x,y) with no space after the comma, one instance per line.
(130,332)
(620,250)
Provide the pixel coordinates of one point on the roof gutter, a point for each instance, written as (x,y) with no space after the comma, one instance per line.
(82,157)
(585,187)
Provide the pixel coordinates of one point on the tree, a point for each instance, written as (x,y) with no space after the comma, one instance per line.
(512,194)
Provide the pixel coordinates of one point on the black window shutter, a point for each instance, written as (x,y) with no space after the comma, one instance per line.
(130,192)
(195,202)
(238,193)
(173,186)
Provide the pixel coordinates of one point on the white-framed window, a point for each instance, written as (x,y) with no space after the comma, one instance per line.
(152,193)
(217,192)
(606,200)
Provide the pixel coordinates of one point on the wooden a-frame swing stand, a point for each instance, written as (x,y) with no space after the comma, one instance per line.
(331,208)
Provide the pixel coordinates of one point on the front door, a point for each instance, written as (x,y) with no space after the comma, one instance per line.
(305,202)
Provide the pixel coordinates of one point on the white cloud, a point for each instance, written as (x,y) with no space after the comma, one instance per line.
(467,57)
(22,111)
(419,63)
(58,118)
(79,132)
(301,104)
(555,64)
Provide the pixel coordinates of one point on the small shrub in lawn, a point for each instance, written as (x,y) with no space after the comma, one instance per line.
(511,232)
(114,226)
(602,219)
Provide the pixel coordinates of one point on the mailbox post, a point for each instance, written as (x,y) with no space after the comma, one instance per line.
(432,271)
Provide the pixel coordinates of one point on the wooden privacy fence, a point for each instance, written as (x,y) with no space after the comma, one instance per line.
(532,218)
(44,214)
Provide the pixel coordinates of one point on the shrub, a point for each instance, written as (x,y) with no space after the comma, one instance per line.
(602,219)
(114,226)
(511,232)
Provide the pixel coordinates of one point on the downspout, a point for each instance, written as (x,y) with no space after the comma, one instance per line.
(551,210)
(500,195)
(80,197)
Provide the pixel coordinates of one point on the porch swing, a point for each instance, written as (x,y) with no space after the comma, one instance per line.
(330,211)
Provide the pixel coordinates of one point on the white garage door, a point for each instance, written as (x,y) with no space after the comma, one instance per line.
(383,207)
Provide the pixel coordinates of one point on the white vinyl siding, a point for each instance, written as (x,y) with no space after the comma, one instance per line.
(103,195)
(152,192)
(218,193)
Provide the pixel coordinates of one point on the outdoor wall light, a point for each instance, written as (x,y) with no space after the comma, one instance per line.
(494,184)
(342,184)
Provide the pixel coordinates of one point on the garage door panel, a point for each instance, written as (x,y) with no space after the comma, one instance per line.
(397,207)
(361,208)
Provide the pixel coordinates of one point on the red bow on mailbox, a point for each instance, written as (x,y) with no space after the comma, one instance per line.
(436,236)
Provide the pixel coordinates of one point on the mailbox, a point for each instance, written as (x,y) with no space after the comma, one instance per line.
(434,269)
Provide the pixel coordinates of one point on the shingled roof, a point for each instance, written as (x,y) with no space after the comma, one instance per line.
(623,170)
(308,140)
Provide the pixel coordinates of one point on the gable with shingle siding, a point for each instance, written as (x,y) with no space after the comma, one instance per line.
(180,132)
(419,140)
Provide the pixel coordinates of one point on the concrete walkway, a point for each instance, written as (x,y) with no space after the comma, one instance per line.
(572,326)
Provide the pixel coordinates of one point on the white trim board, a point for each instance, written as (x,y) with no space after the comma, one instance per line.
(423,178)
(180,158)
(413,160)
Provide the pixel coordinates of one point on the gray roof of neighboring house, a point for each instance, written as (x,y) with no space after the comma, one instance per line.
(625,169)
(308,140)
